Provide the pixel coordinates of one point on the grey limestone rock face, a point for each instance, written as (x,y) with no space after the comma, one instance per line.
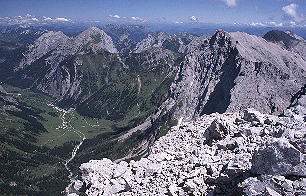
(53,50)
(231,72)
(183,163)
(196,44)
(97,39)
(235,71)
(299,98)
(218,130)
(227,72)
(252,115)
(46,43)
(273,185)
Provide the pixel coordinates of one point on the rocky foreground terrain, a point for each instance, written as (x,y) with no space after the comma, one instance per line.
(246,153)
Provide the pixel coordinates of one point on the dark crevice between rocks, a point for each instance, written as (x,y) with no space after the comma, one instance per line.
(127,187)
(230,187)
(82,191)
(219,99)
(297,96)
(293,177)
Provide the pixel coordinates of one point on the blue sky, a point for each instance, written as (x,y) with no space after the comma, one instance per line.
(207,11)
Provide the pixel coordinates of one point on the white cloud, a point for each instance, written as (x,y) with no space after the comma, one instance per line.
(28,16)
(61,20)
(137,19)
(179,22)
(292,14)
(230,3)
(275,24)
(266,24)
(114,16)
(257,24)
(47,18)
(193,18)
(292,23)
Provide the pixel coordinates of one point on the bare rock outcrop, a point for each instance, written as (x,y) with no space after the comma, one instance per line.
(278,157)
(46,43)
(235,71)
(52,65)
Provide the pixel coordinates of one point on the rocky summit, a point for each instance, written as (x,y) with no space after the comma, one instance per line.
(245,153)
(288,40)
(230,72)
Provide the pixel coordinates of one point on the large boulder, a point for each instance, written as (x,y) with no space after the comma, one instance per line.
(253,116)
(272,186)
(218,130)
(278,157)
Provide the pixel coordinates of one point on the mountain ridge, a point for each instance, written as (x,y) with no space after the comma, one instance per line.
(233,62)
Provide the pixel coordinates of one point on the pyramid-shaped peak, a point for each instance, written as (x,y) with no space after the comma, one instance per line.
(221,33)
(287,38)
(53,35)
(97,37)
(92,31)
(219,37)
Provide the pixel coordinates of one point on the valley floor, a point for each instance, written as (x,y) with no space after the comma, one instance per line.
(39,142)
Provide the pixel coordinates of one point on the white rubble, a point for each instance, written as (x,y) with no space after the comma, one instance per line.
(245,153)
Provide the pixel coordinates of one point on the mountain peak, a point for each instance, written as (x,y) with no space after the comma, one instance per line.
(98,38)
(93,30)
(220,33)
(88,33)
(281,36)
(42,45)
(287,40)
(175,43)
(220,38)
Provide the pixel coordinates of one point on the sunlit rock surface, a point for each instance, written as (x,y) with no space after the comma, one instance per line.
(219,154)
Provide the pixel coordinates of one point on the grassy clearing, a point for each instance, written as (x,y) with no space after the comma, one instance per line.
(51,119)
(34,144)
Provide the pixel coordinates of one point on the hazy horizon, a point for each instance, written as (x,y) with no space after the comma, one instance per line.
(273,13)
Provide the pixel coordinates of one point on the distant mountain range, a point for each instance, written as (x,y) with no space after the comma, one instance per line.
(74,27)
